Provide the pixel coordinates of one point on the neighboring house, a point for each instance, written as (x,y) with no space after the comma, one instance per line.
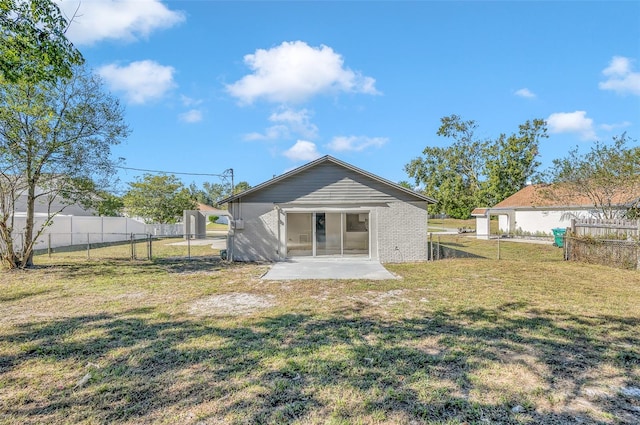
(328,208)
(43,207)
(536,209)
(208,211)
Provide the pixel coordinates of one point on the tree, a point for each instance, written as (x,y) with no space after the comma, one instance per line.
(474,172)
(452,174)
(213,193)
(210,193)
(55,145)
(405,184)
(607,175)
(158,199)
(199,195)
(33,46)
(109,205)
(241,187)
(512,161)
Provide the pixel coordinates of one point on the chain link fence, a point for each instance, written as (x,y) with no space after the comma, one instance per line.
(132,246)
(449,246)
(623,254)
(146,246)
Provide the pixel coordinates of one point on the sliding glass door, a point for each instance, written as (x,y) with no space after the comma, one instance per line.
(327,234)
(299,234)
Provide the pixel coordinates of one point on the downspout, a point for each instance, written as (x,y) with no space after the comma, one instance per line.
(370,232)
(377,235)
(276,207)
(231,233)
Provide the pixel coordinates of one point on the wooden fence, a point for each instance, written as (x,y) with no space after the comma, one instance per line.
(610,242)
(618,229)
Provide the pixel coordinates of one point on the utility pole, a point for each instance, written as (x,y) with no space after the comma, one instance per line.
(233,186)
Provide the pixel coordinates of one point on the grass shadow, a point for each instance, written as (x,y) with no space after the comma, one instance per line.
(342,367)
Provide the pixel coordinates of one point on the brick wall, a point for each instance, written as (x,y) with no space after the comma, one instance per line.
(400,229)
(402,233)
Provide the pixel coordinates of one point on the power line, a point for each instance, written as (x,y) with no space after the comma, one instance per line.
(176,172)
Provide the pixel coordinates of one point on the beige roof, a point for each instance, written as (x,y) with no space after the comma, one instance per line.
(479,211)
(555,196)
(212,210)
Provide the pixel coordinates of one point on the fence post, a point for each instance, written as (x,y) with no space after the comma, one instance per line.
(88,248)
(132,253)
(431,246)
(49,244)
(438,251)
(149,252)
(189,246)
(638,246)
(498,246)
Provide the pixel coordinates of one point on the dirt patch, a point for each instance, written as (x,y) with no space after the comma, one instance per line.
(231,304)
(381,298)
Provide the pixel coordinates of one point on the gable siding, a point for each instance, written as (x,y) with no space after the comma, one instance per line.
(328,182)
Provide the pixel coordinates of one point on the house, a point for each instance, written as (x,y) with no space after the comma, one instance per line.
(45,205)
(537,209)
(210,211)
(328,208)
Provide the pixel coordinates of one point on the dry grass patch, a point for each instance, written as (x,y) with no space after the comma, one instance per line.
(530,339)
(230,304)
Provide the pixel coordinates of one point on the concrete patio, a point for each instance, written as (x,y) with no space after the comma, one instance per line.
(328,268)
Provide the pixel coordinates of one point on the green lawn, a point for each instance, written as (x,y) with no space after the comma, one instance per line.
(217,226)
(525,340)
(437,224)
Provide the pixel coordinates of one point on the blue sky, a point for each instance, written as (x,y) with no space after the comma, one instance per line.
(263,87)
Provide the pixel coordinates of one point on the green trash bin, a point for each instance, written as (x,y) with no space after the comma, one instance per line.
(558,236)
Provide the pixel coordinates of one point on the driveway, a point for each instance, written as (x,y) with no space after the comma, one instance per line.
(330,268)
(218,242)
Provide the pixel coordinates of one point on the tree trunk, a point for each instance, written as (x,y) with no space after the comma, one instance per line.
(9,258)
(27,244)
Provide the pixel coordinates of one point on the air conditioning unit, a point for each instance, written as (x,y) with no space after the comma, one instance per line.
(238,224)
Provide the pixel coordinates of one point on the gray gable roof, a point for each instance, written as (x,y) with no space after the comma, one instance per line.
(323,161)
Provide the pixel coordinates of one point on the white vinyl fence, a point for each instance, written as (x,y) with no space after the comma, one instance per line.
(81,230)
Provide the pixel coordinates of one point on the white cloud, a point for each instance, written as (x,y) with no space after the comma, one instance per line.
(290,115)
(294,72)
(525,92)
(288,122)
(96,20)
(191,116)
(298,121)
(140,81)
(355,143)
(620,77)
(572,122)
(189,101)
(271,133)
(619,65)
(302,151)
(615,126)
